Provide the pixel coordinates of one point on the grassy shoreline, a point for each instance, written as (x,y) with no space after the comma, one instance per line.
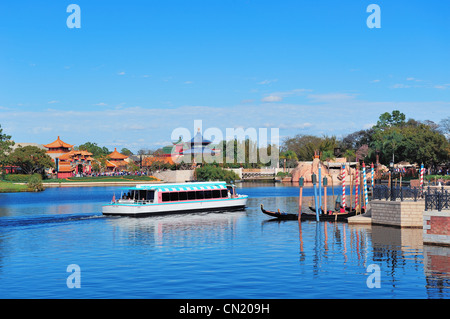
(102,179)
(10,187)
(14,187)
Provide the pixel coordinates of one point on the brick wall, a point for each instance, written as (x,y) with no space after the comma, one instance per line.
(401,214)
(436,227)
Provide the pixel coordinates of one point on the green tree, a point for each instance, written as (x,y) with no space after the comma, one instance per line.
(425,145)
(5,148)
(412,141)
(31,159)
(396,118)
(444,125)
(93,148)
(126,151)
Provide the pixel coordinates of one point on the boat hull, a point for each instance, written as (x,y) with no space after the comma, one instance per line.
(229,204)
(307,216)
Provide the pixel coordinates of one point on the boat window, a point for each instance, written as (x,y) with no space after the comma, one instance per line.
(199,195)
(173,196)
(224,193)
(165,197)
(182,195)
(208,194)
(216,193)
(191,195)
(142,194)
(150,195)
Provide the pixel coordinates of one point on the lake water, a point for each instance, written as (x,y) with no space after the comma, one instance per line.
(227,255)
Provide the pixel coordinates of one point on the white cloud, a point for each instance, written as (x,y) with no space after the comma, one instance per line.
(375,81)
(121,73)
(53,102)
(272,98)
(278,96)
(267,81)
(442,87)
(188,82)
(101,104)
(331,97)
(295,92)
(400,86)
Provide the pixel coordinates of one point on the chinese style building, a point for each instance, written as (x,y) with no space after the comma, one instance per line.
(116,161)
(69,162)
(199,146)
(58,148)
(73,163)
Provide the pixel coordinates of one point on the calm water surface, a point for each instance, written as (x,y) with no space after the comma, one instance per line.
(228,255)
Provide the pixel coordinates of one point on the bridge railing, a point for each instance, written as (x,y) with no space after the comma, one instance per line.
(394,193)
(437,199)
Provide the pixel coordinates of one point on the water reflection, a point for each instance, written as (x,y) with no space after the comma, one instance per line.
(179,230)
(437,270)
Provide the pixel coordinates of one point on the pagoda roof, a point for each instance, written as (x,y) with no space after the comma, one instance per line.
(73,153)
(198,139)
(199,150)
(116,155)
(57,144)
(64,169)
(157,159)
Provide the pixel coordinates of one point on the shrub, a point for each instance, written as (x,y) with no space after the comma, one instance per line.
(35,183)
(212,173)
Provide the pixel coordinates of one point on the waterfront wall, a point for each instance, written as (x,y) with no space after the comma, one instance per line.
(436,227)
(407,213)
(179,176)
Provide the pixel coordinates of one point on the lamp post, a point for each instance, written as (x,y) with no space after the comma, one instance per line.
(391,171)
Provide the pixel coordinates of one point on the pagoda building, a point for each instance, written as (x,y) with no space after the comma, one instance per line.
(173,150)
(199,145)
(69,162)
(116,161)
(58,148)
(74,163)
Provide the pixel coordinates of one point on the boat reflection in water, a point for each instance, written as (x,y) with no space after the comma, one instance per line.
(183,229)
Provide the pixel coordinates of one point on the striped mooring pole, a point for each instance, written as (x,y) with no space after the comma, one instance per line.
(357,188)
(421,176)
(366,200)
(320,186)
(372,171)
(343,188)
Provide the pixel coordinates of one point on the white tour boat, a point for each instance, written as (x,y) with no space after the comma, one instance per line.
(158,199)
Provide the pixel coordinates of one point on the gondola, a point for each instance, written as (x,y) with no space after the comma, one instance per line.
(280,215)
(347,209)
(334,216)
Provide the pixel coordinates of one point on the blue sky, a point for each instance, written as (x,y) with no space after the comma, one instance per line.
(136,70)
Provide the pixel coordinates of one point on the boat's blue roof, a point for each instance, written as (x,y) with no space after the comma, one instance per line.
(181,186)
